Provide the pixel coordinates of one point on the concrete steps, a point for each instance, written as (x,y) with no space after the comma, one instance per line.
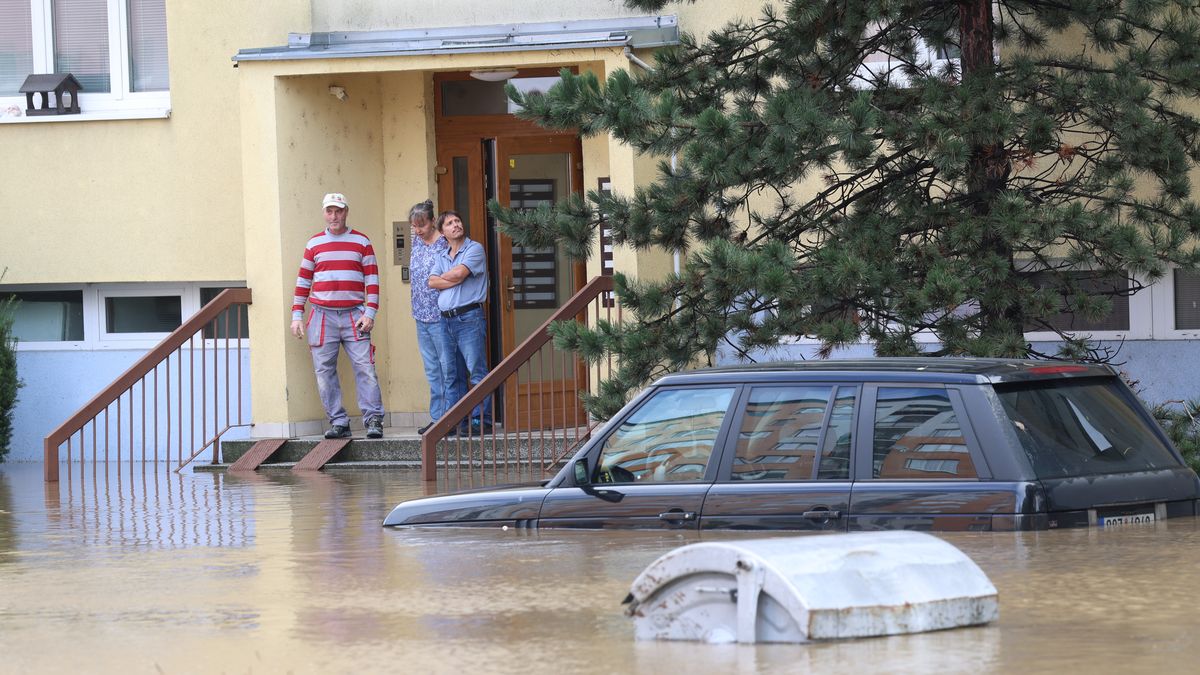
(398,449)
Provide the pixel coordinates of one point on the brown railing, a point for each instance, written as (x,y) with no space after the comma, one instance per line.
(136,411)
(534,395)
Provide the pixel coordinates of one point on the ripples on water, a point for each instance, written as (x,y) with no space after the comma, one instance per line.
(137,570)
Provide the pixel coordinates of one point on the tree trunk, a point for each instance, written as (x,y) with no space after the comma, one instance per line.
(989,164)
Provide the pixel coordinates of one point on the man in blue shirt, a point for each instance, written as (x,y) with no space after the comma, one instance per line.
(460,277)
(427,246)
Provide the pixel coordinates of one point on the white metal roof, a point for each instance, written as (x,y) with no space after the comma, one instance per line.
(636,32)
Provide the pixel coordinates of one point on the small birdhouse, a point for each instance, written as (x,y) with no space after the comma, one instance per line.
(63,86)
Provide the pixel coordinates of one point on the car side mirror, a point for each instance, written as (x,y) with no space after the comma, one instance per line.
(582,476)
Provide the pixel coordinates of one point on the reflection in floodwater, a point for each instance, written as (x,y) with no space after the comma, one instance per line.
(137,570)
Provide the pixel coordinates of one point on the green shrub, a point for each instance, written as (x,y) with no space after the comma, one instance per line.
(1181,420)
(9,383)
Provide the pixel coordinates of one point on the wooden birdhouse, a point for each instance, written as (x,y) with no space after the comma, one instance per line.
(64,88)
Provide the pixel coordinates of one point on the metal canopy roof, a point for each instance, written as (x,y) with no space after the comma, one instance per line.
(636,32)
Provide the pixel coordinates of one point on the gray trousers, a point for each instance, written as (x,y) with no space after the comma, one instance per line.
(329,329)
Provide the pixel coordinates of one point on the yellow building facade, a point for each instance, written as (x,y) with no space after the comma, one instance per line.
(218,181)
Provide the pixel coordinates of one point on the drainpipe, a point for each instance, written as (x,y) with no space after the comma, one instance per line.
(674,159)
(633,57)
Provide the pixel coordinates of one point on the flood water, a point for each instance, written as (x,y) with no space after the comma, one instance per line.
(145,572)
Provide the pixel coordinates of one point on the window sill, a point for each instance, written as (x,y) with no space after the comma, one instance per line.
(94,116)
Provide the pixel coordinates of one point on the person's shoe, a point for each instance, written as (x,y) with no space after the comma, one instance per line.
(479,428)
(338,431)
(375,427)
(425,428)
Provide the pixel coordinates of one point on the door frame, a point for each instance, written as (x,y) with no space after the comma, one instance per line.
(464,136)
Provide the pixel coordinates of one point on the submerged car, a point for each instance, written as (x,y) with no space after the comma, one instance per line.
(920,443)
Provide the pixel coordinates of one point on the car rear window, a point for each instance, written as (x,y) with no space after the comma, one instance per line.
(1082,427)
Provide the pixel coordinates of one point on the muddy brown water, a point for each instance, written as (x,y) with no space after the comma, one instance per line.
(135,571)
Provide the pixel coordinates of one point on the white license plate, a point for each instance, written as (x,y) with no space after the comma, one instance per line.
(1132,519)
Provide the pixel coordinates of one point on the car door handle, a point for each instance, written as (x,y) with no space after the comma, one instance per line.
(677,515)
(822,514)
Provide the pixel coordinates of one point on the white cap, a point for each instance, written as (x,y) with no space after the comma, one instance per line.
(334,199)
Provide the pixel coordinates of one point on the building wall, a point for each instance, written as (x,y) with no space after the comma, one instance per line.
(118,199)
(316,144)
(57,383)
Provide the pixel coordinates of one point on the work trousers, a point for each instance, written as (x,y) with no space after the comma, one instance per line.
(331,329)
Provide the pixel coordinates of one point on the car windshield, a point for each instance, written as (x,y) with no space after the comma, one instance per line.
(1082,427)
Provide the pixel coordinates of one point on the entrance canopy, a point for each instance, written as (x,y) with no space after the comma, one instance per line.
(634,32)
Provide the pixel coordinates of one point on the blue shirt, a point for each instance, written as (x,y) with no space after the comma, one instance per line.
(421,261)
(472,289)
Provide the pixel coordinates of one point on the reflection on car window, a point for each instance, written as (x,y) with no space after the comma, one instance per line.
(780,433)
(1081,427)
(917,435)
(835,453)
(669,439)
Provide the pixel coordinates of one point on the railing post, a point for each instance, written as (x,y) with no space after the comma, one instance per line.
(428,457)
(50,460)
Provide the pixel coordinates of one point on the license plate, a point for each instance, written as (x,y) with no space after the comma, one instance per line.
(1131,519)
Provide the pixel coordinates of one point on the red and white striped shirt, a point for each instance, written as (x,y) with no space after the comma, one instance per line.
(338,271)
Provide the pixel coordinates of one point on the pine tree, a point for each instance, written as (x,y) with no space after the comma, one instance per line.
(9,383)
(834,178)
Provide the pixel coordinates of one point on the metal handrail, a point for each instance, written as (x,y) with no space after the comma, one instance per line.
(136,373)
(507,368)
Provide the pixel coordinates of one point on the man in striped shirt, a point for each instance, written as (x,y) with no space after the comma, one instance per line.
(340,279)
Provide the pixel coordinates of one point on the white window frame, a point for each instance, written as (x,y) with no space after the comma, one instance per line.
(108,291)
(58,345)
(926,55)
(119,102)
(1141,319)
(1164,311)
(95,337)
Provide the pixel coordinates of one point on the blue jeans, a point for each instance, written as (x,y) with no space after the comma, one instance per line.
(431,341)
(466,336)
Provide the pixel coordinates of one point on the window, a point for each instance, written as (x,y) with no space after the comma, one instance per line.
(142,313)
(781,432)
(835,451)
(935,53)
(917,435)
(233,323)
(1115,288)
(117,49)
(116,316)
(534,270)
(1081,428)
(785,436)
(475,97)
(645,447)
(48,316)
(1187,299)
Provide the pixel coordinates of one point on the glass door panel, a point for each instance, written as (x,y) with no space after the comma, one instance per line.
(535,282)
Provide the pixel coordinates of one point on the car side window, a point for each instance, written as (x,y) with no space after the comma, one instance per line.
(781,433)
(670,438)
(835,451)
(917,435)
